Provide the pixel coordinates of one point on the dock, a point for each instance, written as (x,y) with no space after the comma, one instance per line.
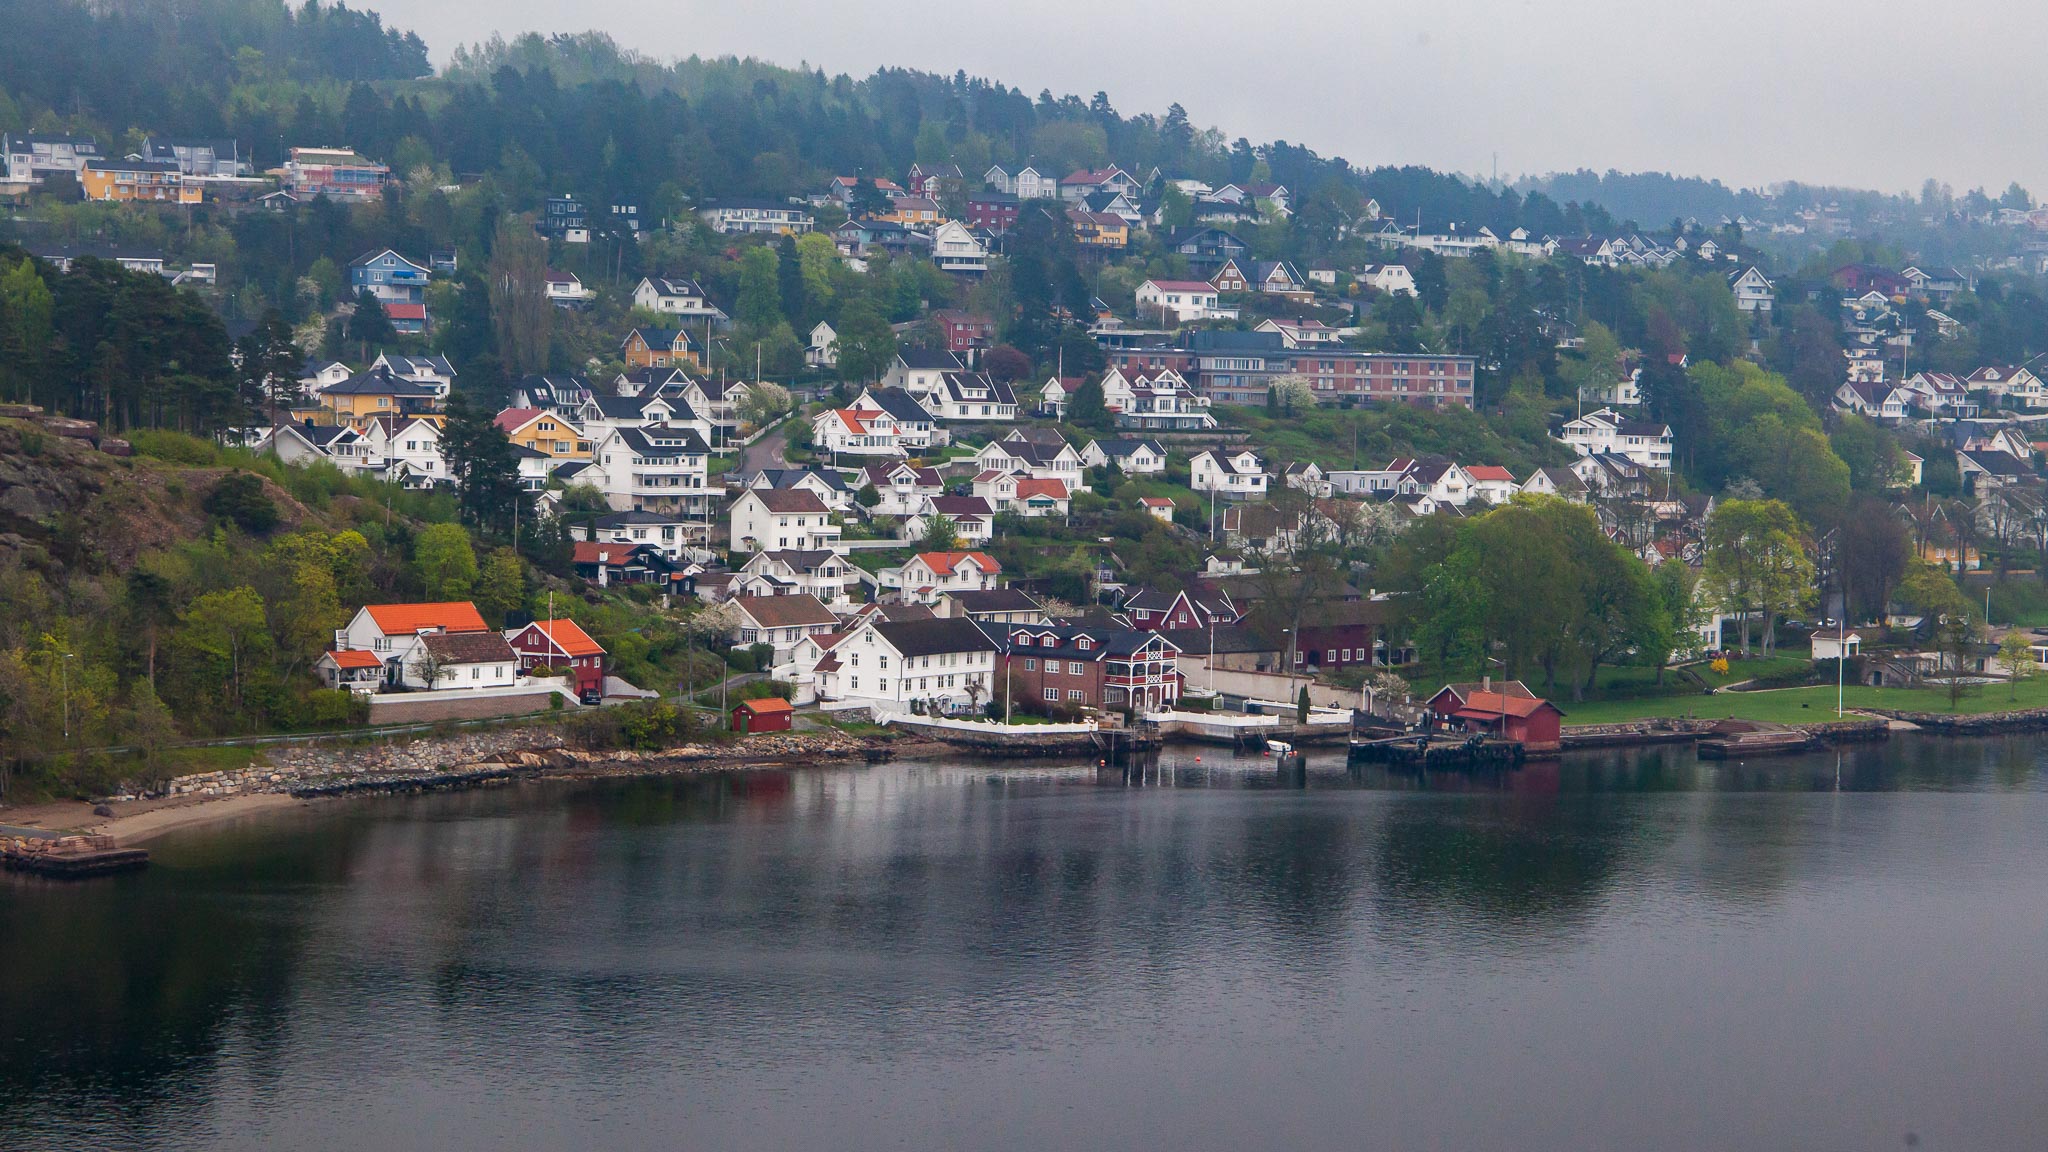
(1437,752)
(70,857)
(1741,739)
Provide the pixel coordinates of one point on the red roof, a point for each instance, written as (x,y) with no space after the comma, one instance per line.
(1492,705)
(1155,501)
(1057,489)
(1490,472)
(601,552)
(406,311)
(568,636)
(947,561)
(355,658)
(1183,285)
(408,619)
(513,419)
(767,706)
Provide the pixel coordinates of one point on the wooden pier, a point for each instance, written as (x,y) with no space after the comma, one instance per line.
(1438,752)
(1741,739)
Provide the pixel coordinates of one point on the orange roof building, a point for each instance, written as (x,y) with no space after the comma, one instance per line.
(412,619)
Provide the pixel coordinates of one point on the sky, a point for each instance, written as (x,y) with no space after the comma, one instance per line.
(1875,93)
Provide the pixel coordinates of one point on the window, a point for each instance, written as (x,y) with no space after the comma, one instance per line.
(1076,668)
(1031,665)
(1052,693)
(1075,694)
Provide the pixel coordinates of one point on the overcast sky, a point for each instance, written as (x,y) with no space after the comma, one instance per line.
(1871,93)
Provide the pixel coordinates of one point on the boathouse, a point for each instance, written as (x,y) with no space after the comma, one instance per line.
(752,717)
(1511,713)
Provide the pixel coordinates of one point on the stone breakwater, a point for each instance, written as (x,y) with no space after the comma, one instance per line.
(1672,730)
(1951,724)
(482,759)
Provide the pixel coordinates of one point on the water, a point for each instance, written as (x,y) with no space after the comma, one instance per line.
(1630,950)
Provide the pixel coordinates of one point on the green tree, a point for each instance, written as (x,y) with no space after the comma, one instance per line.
(1757,564)
(369,327)
(227,632)
(482,464)
(501,586)
(522,316)
(26,313)
(239,497)
(760,300)
(2016,656)
(150,726)
(1085,408)
(445,562)
(941,534)
(867,345)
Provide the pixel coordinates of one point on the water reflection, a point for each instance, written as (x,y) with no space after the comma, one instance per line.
(669,955)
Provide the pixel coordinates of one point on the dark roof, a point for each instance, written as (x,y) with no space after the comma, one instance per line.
(786,611)
(469,648)
(380,382)
(789,500)
(958,506)
(932,637)
(1107,641)
(1122,447)
(900,404)
(1230,638)
(791,477)
(629,519)
(684,440)
(931,359)
(995,600)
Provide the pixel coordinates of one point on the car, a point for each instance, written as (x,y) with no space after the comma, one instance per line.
(591,697)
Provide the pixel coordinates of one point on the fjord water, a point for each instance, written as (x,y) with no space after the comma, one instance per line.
(1625,950)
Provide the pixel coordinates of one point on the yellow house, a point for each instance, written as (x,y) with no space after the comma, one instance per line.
(1099,229)
(661,348)
(360,399)
(138,180)
(540,430)
(915,212)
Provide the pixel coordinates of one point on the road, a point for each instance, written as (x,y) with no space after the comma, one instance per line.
(766,452)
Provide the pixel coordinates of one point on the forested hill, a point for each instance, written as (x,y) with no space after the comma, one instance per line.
(577,111)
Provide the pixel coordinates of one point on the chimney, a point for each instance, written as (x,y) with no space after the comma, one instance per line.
(1486,682)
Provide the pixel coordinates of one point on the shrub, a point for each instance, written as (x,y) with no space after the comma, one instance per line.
(175,447)
(239,496)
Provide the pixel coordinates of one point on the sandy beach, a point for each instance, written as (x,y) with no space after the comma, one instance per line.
(139,821)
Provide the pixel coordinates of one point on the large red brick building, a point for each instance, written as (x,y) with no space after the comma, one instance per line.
(1083,666)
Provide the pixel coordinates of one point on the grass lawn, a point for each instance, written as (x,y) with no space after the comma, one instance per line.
(1806,705)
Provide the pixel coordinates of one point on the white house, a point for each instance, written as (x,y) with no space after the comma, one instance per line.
(2016,387)
(913,422)
(1943,395)
(903,489)
(823,349)
(1132,457)
(971,396)
(407,450)
(1180,300)
(658,468)
(781,621)
(428,371)
(922,578)
(974,520)
(1161,401)
(845,432)
(1646,442)
(1882,401)
(1235,473)
(684,298)
(426,646)
(666,532)
(1041,455)
(920,371)
(566,290)
(781,519)
(1753,290)
(827,484)
(1026,183)
(317,377)
(950,663)
(955,248)
(1394,279)
(825,575)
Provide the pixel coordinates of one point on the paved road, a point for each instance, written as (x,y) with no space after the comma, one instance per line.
(767,451)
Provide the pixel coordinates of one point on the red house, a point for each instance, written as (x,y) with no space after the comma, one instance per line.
(993,211)
(753,717)
(1512,713)
(555,643)
(965,332)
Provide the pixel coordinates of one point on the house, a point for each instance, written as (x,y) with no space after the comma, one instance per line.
(399,285)
(599,413)
(822,349)
(336,173)
(657,468)
(354,670)
(1079,185)
(376,393)
(1088,666)
(992,212)
(956,249)
(1158,507)
(544,432)
(1154,400)
(769,714)
(566,290)
(1942,395)
(561,394)
(755,217)
(1235,473)
(1646,442)
(1025,183)
(913,422)
(902,489)
(432,371)
(1753,290)
(922,578)
(1197,607)
(1302,333)
(1182,300)
(788,572)
(2011,387)
(780,622)
(973,518)
(1099,231)
(991,606)
(973,396)
(661,348)
(1507,714)
(560,643)
(781,519)
(717,401)
(846,432)
(1131,457)
(1392,279)
(1834,644)
(1043,455)
(403,450)
(606,564)
(1041,497)
(842,188)
(1280,278)
(921,371)
(1306,476)
(318,376)
(137,181)
(1983,472)
(33,157)
(917,213)
(936,181)
(965,333)
(828,484)
(948,665)
(1492,483)
(667,533)
(1884,402)
(672,297)
(1610,475)
(395,633)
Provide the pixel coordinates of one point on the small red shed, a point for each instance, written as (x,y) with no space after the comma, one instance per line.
(1535,722)
(752,717)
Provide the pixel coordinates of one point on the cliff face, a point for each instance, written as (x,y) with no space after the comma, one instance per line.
(66,504)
